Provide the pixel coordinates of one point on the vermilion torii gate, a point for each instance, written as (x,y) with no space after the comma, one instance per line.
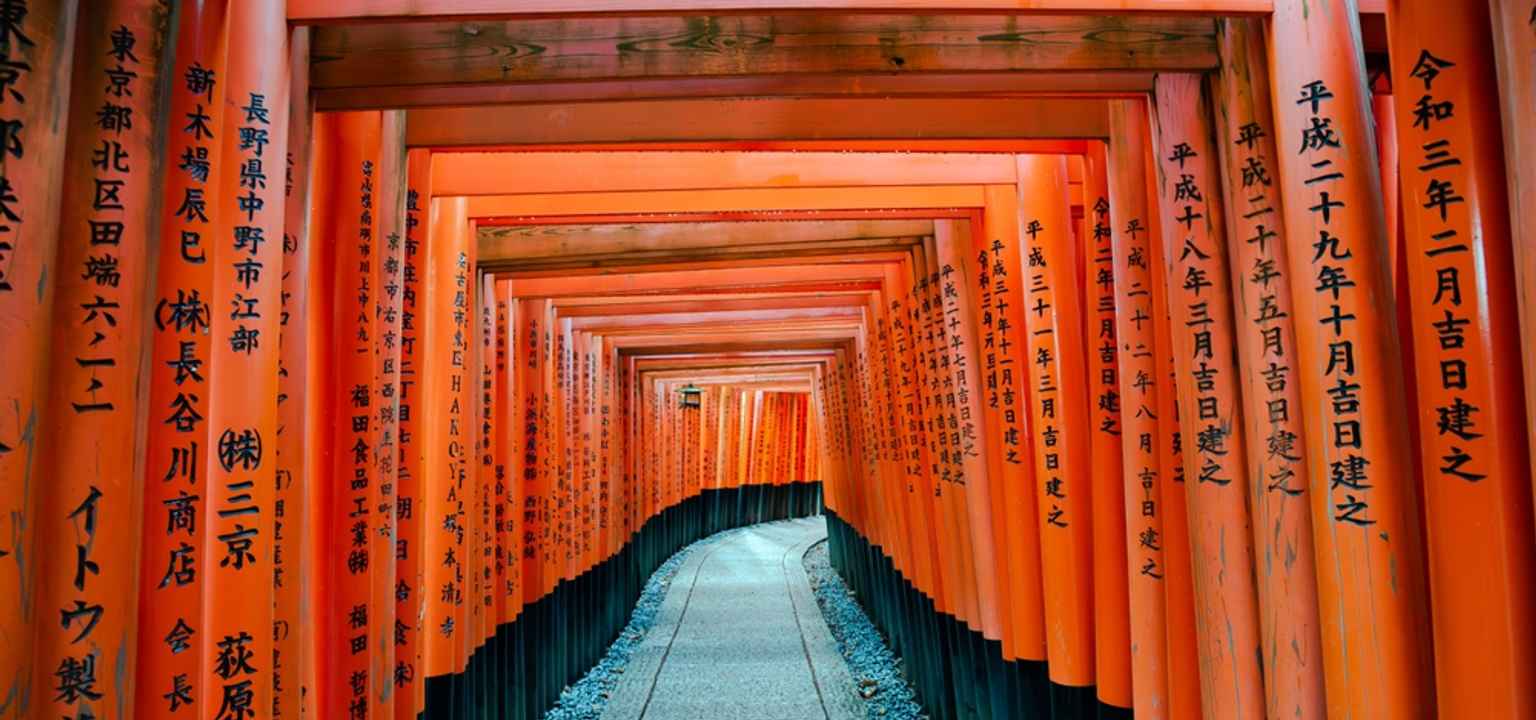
(344,344)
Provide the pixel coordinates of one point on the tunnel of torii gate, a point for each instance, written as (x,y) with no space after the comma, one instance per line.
(363,358)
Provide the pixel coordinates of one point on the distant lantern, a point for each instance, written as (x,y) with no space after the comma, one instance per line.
(690,395)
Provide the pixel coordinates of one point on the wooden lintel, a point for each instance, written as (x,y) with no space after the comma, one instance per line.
(512,173)
(1097,83)
(620,48)
(777,119)
(333,11)
(542,242)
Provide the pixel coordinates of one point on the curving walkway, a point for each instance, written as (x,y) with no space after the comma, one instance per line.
(740,636)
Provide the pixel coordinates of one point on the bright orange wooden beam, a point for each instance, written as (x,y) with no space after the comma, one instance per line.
(513,173)
(496,209)
(316,11)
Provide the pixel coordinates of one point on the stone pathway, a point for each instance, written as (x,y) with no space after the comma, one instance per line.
(740,636)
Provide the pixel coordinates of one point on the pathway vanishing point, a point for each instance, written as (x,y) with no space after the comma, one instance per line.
(740,636)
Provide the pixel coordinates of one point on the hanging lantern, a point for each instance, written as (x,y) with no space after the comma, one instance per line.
(690,395)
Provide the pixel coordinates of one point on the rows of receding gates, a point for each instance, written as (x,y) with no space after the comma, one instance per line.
(1201,398)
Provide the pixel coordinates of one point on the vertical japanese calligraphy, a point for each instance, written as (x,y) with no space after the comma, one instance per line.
(1370,584)
(1199,283)
(1056,359)
(37,42)
(246,254)
(353,140)
(1005,377)
(1140,371)
(1112,662)
(1465,333)
(410,525)
(1266,340)
(172,561)
(91,433)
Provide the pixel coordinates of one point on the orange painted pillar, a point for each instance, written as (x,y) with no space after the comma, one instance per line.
(410,517)
(528,326)
(390,188)
(290,574)
(1140,386)
(1370,588)
(961,397)
(1006,372)
(175,488)
(320,411)
(31,173)
(1513,46)
(1466,336)
(246,254)
(1178,586)
(1210,409)
(1280,487)
(942,468)
(445,438)
(1061,431)
(90,439)
(351,222)
(1111,608)
(411,521)
(509,509)
(909,396)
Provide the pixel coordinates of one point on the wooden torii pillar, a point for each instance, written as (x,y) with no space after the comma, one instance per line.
(1371,590)
(1467,345)
(31,185)
(169,675)
(90,434)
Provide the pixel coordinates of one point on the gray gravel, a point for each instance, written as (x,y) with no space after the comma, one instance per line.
(589,696)
(876,670)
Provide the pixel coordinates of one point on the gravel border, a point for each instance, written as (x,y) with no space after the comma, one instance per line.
(587,698)
(875,668)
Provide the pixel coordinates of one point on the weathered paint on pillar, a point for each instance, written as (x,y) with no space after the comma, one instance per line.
(320,414)
(410,525)
(1005,373)
(1514,45)
(952,300)
(1178,583)
(445,387)
(389,207)
(245,252)
(1280,487)
(91,438)
(1111,610)
(1466,335)
(1210,411)
(290,573)
(1371,590)
(351,225)
(31,180)
(171,561)
(1140,376)
(1059,411)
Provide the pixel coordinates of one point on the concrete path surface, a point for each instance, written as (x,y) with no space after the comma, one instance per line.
(739,636)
